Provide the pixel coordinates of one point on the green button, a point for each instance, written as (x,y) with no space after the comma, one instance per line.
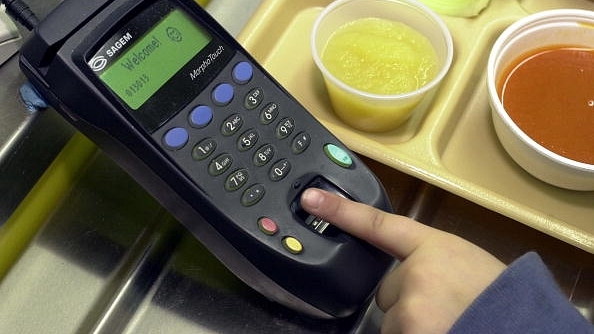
(338,155)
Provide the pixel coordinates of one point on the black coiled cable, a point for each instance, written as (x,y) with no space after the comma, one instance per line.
(21,13)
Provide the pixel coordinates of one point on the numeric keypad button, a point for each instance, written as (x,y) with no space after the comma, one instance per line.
(236,179)
(253,98)
(204,149)
(220,164)
(285,127)
(263,155)
(253,195)
(279,170)
(231,125)
(247,140)
(269,113)
(301,142)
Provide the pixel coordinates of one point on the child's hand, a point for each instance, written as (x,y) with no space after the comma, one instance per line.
(440,274)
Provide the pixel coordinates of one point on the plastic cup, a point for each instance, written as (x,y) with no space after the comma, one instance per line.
(375,112)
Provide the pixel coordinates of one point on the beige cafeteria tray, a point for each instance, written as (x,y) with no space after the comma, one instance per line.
(451,142)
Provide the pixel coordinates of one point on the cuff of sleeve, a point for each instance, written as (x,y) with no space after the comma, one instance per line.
(523,299)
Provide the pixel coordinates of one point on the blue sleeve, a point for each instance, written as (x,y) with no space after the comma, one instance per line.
(524,299)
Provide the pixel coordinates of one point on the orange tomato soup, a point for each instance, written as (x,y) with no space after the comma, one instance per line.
(549,94)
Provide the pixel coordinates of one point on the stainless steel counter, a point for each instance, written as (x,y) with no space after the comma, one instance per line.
(28,142)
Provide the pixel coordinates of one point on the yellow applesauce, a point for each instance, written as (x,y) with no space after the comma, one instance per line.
(380,56)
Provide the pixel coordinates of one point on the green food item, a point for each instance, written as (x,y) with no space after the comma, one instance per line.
(463,8)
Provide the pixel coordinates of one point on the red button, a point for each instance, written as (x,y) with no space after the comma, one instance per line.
(267,225)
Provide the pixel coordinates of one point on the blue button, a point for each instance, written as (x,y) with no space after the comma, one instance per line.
(242,72)
(201,116)
(176,138)
(223,94)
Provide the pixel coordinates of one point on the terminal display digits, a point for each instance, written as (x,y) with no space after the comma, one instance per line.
(181,106)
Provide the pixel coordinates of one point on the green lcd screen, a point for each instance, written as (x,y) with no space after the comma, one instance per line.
(152,60)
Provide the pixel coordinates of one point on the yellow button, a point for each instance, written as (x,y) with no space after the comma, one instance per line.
(293,245)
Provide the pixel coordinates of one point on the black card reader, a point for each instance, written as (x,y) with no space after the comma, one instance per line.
(161,88)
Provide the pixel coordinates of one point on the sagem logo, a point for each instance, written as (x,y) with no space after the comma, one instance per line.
(98,63)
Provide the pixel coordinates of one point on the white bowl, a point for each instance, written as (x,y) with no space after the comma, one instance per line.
(547,28)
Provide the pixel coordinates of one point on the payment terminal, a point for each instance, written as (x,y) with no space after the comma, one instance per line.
(161,88)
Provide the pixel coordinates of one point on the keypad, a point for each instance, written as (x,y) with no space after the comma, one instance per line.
(246,139)
(253,126)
